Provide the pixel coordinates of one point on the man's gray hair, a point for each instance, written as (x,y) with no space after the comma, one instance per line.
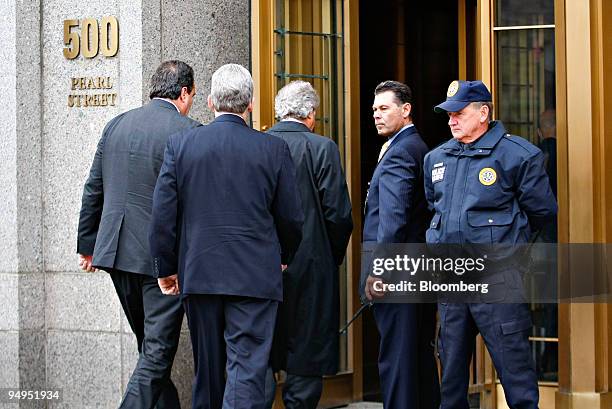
(296,100)
(231,89)
(478,105)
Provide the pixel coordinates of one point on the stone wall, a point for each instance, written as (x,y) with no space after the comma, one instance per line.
(60,328)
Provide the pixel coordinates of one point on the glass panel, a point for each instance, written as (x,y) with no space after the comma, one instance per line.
(526,96)
(526,81)
(525,103)
(545,355)
(524,12)
(308,47)
(544,318)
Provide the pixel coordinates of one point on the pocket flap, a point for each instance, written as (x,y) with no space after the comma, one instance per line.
(435,221)
(489,218)
(515,326)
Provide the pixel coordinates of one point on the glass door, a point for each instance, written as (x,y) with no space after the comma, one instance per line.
(308,47)
(304,40)
(525,95)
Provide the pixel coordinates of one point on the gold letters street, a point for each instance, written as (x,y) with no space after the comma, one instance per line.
(91,100)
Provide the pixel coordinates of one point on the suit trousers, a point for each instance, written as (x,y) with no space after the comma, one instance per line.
(406,360)
(505,330)
(231,337)
(156,321)
(299,392)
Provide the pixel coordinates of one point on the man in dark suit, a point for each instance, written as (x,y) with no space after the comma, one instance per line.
(306,340)
(114,224)
(226,215)
(396,212)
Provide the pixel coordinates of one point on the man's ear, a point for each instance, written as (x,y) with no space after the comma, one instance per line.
(407,109)
(184,93)
(484,114)
(210,103)
(250,107)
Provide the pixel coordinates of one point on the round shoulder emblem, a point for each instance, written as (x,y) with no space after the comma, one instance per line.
(487,176)
(452,89)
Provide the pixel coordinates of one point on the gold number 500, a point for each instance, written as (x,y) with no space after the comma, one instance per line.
(94,38)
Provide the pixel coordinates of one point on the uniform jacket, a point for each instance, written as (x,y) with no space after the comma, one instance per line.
(116,205)
(494,190)
(226,211)
(306,339)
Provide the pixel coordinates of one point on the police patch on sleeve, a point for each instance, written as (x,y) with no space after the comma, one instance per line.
(437,173)
(487,176)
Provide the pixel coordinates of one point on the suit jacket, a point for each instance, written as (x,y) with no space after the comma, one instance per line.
(116,205)
(226,211)
(396,212)
(396,209)
(306,338)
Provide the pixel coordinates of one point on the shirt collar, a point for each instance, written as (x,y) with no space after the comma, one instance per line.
(170,101)
(289,119)
(399,132)
(219,113)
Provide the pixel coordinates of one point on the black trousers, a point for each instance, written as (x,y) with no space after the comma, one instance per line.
(406,361)
(156,321)
(231,338)
(299,392)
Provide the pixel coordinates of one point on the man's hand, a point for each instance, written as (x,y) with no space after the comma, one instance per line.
(85,263)
(283,267)
(169,285)
(370,292)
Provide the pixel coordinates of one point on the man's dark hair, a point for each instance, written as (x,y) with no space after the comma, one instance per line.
(169,78)
(402,92)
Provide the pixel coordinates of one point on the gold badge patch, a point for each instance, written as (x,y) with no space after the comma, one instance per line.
(487,176)
(452,89)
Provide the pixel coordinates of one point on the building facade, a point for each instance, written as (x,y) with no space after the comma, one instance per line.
(71,66)
(61,81)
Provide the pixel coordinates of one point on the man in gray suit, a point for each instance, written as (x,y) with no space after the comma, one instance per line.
(114,224)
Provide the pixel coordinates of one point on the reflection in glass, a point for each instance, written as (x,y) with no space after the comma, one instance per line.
(544,318)
(545,355)
(526,80)
(524,12)
(308,47)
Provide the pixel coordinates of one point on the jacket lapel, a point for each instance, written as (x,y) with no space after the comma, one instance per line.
(404,134)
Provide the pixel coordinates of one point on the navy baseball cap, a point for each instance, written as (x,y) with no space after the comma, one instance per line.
(462,93)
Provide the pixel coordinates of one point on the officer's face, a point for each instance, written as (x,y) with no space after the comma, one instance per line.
(389,116)
(468,124)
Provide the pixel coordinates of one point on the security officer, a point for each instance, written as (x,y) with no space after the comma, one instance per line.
(486,187)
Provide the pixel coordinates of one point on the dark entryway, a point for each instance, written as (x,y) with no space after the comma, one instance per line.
(415,42)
